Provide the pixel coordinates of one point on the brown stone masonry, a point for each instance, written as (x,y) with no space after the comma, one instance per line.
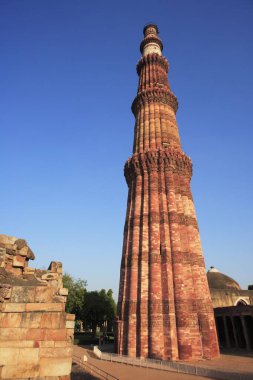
(164,308)
(36,334)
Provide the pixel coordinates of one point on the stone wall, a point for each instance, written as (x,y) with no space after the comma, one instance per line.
(230,297)
(36,334)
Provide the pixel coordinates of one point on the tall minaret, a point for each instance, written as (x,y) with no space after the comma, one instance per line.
(164,306)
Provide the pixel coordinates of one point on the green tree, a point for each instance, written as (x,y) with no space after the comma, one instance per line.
(75,299)
(111,314)
(98,307)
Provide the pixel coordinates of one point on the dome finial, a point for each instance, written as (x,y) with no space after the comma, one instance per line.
(213,269)
(150,28)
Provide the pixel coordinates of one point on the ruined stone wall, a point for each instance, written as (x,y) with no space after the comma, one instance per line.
(36,334)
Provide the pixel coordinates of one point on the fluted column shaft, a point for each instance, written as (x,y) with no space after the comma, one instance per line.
(164,307)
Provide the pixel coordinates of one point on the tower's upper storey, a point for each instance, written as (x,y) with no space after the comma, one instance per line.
(151,42)
(155,105)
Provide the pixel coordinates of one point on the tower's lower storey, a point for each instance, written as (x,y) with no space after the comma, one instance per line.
(164,308)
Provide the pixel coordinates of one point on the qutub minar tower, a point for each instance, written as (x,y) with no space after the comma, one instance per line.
(164,305)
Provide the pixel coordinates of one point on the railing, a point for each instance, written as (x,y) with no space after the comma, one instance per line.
(190,369)
(147,363)
(93,370)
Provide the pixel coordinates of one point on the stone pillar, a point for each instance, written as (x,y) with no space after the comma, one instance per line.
(235,333)
(245,331)
(228,345)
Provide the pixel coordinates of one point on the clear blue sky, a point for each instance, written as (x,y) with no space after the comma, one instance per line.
(67,74)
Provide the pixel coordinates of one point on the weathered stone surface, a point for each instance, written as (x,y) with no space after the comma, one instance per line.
(28,371)
(164,305)
(55,366)
(35,332)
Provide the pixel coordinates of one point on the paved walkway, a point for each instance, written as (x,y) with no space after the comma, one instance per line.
(229,363)
(126,372)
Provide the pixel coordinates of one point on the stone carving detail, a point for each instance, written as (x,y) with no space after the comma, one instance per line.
(152,59)
(157,160)
(158,95)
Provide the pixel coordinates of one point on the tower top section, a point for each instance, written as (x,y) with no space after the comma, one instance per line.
(151,42)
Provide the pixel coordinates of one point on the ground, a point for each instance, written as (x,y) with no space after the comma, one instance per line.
(229,363)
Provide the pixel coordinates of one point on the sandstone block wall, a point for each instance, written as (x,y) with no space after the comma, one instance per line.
(36,334)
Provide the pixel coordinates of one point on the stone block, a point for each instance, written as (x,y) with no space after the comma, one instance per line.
(55,366)
(12,333)
(29,356)
(62,343)
(70,317)
(14,307)
(63,292)
(52,320)
(9,356)
(56,334)
(23,294)
(21,371)
(61,299)
(47,343)
(5,292)
(70,324)
(44,294)
(55,352)
(29,270)
(31,320)
(45,307)
(55,266)
(24,251)
(16,344)
(19,261)
(50,276)
(11,320)
(35,334)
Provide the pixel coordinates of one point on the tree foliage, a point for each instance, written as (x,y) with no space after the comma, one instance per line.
(77,291)
(92,308)
(98,308)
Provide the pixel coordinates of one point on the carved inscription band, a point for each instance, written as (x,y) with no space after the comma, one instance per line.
(152,59)
(155,96)
(157,160)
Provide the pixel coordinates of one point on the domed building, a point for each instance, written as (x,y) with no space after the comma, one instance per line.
(233,310)
(225,291)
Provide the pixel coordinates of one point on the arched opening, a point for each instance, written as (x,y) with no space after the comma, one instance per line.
(241,302)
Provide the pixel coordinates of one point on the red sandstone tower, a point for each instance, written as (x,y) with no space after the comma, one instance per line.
(164,305)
